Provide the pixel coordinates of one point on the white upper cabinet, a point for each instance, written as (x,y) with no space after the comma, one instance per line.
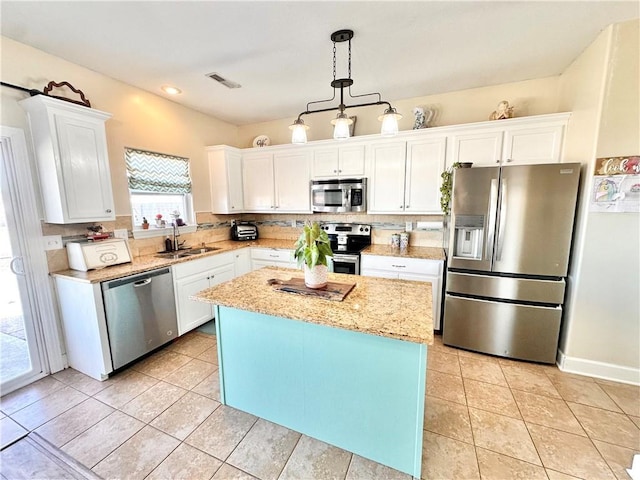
(73,164)
(541,144)
(333,162)
(405,176)
(479,148)
(225,179)
(277,181)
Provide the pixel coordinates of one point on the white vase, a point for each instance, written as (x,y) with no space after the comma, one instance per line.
(316,277)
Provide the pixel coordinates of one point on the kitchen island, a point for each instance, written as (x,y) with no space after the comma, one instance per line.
(351,373)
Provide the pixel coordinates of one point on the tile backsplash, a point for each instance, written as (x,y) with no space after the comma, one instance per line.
(213,228)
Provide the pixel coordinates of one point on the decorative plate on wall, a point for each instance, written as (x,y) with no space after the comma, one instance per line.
(261,141)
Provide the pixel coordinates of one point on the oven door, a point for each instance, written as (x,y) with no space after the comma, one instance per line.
(328,197)
(346,263)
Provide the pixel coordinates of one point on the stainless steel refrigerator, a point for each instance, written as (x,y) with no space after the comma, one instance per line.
(511,230)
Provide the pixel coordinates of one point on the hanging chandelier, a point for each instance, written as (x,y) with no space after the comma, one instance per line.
(342,122)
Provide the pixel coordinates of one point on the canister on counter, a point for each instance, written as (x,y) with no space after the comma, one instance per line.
(395,240)
(404,240)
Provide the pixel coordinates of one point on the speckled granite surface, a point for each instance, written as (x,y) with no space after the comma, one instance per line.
(429,253)
(151,262)
(389,308)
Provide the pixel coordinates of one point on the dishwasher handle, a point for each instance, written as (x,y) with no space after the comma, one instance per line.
(142,283)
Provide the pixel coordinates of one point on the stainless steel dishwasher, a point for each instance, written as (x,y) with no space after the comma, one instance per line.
(141,314)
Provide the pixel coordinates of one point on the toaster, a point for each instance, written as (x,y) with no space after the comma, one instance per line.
(244,231)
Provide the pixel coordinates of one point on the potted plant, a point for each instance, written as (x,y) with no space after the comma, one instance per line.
(311,250)
(447,186)
(145,223)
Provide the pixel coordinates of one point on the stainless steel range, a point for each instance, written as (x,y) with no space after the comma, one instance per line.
(347,241)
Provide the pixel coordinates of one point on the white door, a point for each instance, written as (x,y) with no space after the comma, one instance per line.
(351,161)
(525,146)
(192,314)
(257,182)
(387,182)
(234,181)
(292,174)
(22,357)
(481,149)
(425,164)
(325,162)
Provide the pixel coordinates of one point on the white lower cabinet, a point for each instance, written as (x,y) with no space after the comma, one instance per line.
(416,269)
(193,277)
(242,261)
(272,257)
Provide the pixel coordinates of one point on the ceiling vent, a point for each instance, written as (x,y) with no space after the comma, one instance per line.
(223,81)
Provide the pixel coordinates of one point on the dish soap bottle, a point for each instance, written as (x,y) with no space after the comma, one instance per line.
(168,245)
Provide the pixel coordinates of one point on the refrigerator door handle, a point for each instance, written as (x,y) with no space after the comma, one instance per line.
(502,216)
(491,224)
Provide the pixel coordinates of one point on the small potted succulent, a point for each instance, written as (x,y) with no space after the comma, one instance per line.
(159,220)
(145,223)
(311,250)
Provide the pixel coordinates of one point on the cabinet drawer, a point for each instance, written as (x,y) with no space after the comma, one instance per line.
(402,264)
(200,265)
(272,254)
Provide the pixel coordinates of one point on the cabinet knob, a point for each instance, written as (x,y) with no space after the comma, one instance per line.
(497,161)
(339,171)
(406,206)
(232,206)
(335,171)
(400,207)
(509,159)
(108,210)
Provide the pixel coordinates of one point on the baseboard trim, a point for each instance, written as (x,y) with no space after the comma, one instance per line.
(606,371)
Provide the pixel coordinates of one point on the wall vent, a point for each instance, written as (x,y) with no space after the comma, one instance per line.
(220,79)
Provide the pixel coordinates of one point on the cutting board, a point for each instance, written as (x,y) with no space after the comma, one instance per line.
(333,291)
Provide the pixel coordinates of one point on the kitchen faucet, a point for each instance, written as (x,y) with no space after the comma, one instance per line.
(176,234)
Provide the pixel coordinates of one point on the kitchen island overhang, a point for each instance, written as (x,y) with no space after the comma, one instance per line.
(349,373)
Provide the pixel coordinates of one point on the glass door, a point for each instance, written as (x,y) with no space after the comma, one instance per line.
(20,354)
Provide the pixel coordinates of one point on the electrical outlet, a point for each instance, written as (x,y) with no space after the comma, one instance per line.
(52,242)
(408,226)
(121,233)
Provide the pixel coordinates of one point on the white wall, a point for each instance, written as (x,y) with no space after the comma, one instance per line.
(601,332)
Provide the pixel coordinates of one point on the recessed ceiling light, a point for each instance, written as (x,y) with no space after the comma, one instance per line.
(171,90)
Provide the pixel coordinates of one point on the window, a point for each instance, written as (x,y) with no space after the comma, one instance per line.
(158,184)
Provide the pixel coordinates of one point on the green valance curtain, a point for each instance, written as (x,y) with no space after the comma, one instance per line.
(157,172)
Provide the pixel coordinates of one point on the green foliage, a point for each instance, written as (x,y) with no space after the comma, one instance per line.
(446,187)
(313,246)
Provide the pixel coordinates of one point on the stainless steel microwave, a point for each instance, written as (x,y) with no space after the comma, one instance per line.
(339,195)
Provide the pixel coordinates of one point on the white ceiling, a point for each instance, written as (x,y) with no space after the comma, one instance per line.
(281,53)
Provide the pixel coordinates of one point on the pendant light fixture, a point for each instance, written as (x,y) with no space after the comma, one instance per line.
(342,121)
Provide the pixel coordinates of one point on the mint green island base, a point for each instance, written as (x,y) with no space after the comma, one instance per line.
(360,392)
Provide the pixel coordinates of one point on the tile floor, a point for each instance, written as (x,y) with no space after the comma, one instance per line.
(485,418)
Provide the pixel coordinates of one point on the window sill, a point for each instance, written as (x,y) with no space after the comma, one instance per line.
(161,232)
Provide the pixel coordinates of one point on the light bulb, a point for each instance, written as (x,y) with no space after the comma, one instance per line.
(171,90)
(341,126)
(389,121)
(298,132)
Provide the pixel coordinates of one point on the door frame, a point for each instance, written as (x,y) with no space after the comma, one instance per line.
(44,313)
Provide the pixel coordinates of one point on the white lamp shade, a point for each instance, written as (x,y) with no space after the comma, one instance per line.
(298,132)
(341,126)
(389,120)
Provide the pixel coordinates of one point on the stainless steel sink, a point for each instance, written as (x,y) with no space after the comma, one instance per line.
(186,253)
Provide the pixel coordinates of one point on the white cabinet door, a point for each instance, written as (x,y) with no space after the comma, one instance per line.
(192,314)
(425,163)
(242,259)
(436,297)
(325,162)
(292,174)
(482,149)
(257,179)
(387,177)
(73,164)
(225,179)
(351,161)
(524,146)
(221,274)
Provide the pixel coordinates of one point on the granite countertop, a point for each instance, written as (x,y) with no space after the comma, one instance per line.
(429,253)
(151,262)
(390,308)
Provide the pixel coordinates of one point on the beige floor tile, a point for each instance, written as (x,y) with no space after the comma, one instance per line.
(441,347)
(24,396)
(364,469)
(125,389)
(161,364)
(478,356)
(209,387)
(315,459)
(443,362)
(23,460)
(635,420)
(80,381)
(448,419)
(221,432)
(585,392)
(210,355)
(264,451)
(553,475)
(151,403)
(494,466)
(489,372)
(444,458)
(547,411)
(186,462)
(103,438)
(558,375)
(134,459)
(610,427)
(74,421)
(61,400)
(10,431)
(534,367)
(184,416)
(227,472)
(191,374)
(626,396)
(448,387)
(525,379)
(501,434)
(568,453)
(192,345)
(492,398)
(618,458)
